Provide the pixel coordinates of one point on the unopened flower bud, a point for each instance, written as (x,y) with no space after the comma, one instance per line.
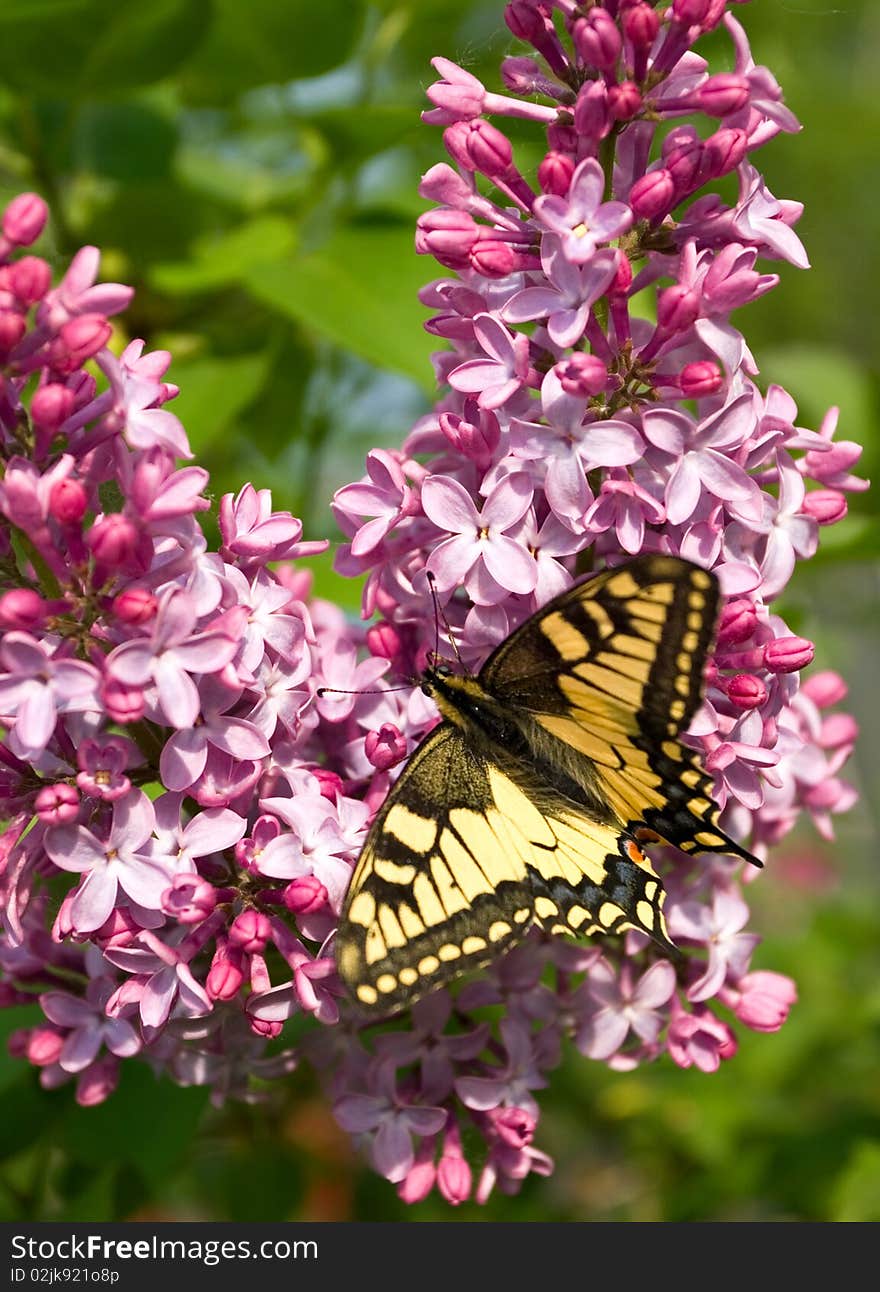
(746,691)
(597,40)
(493,258)
(678,308)
(652,194)
(189,900)
(582,374)
(135,606)
(22,608)
(788,654)
(476,435)
(330,782)
(825,688)
(624,100)
(123,703)
(827,506)
(51,406)
(79,339)
(68,502)
(383,640)
(765,1000)
(224,978)
(723,152)
(250,931)
(98,1082)
(305,895)
(690,12)
(640,25)
(700,379)
(478,145)
(30,279)
(722,95)
(44,1045)
(112,541)
(555,172)
(25,218)
(386,747)
(57,804)
(591,115)
(12,328)
(737,623)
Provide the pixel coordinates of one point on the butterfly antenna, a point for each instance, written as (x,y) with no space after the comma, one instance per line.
(371,690)
(438,617)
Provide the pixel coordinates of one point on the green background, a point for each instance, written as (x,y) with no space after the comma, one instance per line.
(252,170)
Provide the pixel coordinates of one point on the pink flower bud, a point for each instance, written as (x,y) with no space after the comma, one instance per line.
(190,899)
(79,339)
(448,235)
(722,95)
(640,25)
(51,406)
(597,40)
(555,172)
(224,978)
(765,1000)
(562,139)
(119,929)
(57,804)
(68,502)
(652,194)
(514,1126)
(624,100)
(30,279)
(827,506)
(824,464)
(383,640)
(386,747)
(746,691)
(263,1027)
(476,435)
(44,1045)
(419,1179)
(135,606)
(250,931)
(825,688)
(25,218)
(690,12)
(738,622)
(494,258)
(622,280)
(838,731)
(22,608)
(330,782)
(700,379)
(305,895)
(454,1179)
(723,152)
(678,308)
(591,116)
(478,145)
(12,328)
(98,1082)
(788,654)
(683,163)
(113,541)
(123,703)
(582,374)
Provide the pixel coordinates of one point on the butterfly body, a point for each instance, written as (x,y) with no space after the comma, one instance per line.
(528,804)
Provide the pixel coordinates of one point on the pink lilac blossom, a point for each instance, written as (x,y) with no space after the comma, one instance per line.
(188,930)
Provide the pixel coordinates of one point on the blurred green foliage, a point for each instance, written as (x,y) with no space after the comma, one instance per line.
(252,170)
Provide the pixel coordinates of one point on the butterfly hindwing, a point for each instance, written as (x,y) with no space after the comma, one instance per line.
(468,853)
(613,669)
(438,889)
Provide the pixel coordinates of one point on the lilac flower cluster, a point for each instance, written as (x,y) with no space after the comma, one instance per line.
(601,404)
(183,805)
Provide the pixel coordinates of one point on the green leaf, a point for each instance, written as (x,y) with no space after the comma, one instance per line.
(856,1194)
(213,391)
(147,1123)
(91,48)
(264,42)
(359,291)
(221,260)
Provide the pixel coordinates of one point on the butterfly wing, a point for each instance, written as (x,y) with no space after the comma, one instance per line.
(613,669)
(469,851)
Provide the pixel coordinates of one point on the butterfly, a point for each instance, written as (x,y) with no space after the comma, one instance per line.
(530,803)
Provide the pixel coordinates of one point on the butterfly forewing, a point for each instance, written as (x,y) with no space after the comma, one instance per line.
(613,669)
